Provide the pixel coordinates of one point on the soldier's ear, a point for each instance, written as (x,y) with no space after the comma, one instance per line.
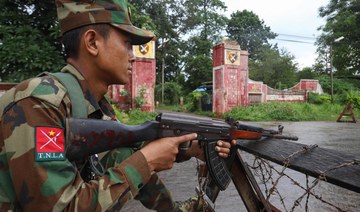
(91,41)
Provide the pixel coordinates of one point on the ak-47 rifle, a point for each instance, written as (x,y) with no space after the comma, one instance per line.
(92,136)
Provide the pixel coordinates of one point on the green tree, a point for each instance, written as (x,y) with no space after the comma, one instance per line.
(165,17)
(266,63)
(306,73)
(249,31)
(275,68)
(320,67)
(340,86)
(172,93)
(199,70)
(204,22)
(342,19)
(204,18)
(29,37)
(140,17)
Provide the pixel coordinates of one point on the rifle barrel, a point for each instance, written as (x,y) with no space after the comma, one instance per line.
(278,136)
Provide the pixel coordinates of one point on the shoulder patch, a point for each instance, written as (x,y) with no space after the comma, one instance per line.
(49,144)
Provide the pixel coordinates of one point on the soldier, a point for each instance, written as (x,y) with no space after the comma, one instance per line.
(35,174)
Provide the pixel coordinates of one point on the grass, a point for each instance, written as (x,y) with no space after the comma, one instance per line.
(273,111)
(135,116)
(286,111)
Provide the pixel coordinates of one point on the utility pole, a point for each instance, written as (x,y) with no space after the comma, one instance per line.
(331,74)
(162,77)
(331,66)
(163,46)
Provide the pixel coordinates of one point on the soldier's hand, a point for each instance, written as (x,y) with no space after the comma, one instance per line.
(222,147)
(161,153)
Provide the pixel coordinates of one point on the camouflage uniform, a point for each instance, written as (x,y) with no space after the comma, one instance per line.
(55,183)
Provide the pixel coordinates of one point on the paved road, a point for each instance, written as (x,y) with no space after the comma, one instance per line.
(345,137)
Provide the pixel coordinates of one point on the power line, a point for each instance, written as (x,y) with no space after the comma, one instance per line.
(297,36)
(293,41)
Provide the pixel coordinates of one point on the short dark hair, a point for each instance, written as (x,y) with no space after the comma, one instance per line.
(71,39)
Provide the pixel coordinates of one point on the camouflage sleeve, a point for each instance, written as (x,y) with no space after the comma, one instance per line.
(154,195)
(39,176)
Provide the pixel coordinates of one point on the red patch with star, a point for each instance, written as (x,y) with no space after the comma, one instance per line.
(49,144)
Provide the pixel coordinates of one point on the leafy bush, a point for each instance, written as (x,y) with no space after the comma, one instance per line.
(134,117)
(354,98)
(124,92)
(137,116)
(139,99)
(241,113)
(172,93)
(340,87)
(193,100)
(265,111)
(315,98)
(286,111)
(121,115)
(283,111)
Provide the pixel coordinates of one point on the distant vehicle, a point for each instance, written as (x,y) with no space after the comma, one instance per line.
(205,87)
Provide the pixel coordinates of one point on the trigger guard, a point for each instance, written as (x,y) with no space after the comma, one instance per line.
(181,156)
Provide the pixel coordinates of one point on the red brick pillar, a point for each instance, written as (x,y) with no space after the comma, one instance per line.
(230,76)
(141,86)
(143,78)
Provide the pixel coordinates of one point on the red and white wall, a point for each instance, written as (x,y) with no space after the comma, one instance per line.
(233,88)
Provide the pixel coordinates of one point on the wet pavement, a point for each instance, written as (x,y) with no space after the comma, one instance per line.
(344,137)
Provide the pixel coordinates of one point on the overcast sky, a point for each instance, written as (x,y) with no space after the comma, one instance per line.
(295,20)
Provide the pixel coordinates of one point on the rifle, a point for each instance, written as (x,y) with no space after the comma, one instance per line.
(91,136)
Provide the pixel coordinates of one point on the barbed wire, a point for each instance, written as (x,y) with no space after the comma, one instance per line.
(266,173)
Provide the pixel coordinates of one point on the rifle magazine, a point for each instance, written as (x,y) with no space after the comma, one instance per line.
(217,166)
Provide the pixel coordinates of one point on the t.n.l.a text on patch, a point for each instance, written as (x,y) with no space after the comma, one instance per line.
(49,144)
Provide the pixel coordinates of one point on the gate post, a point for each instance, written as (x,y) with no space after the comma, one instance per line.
(141,85)
(143,77)
(230,76)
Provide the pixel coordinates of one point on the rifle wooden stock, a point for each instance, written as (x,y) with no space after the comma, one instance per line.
(92,136)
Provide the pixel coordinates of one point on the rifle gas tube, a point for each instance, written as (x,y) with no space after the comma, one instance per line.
(90,136)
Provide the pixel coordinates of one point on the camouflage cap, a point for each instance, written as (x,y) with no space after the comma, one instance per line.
(77,13)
